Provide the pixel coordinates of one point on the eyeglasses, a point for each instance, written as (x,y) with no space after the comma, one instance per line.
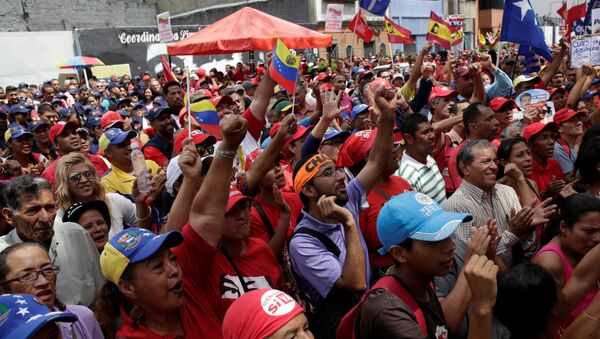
(76,177)
(31,276)
(329,172)
(204,149)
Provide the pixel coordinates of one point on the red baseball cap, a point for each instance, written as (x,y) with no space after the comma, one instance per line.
(109,119)
(300,132)
(356,148)
(259,314)
(322,76)
(198,137)
(557,89)
(235,196)
(252,156)
(460,71)
(59,127)
(380,82)
(537,127)
(498,102)
(216,100)
(441,92)
(564,115)
(326,87)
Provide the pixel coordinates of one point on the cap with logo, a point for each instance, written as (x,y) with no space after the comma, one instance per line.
(442,92)
(37,124)
(198,137)
(109,119)
(259,314)
(332,133)
(155,112)
(497,103)
(358,109)
(19,108)
(15,131)
(133,245)
(565,114)
(283,106)
(59,127)
(22,315)
(416,216)
(235,196)
(114,136)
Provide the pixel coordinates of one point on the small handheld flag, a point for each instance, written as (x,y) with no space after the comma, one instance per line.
(284,67)
(205,113)
(457,36)
(439,32)
(398,34)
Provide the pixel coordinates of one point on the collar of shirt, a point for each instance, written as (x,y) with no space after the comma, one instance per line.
(417,164)
(474,191)
(316,224)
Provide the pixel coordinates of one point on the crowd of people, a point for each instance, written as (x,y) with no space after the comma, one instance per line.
(405,197)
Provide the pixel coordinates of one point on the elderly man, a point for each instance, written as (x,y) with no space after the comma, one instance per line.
(30,209)
(483,198)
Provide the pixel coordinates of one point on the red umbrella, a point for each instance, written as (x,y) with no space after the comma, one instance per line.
(246,30)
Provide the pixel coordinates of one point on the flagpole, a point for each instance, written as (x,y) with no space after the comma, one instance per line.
(294,94)
(341,40)
(189,111)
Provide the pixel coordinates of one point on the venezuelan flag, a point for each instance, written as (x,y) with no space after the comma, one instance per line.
(284,67)
(205,114)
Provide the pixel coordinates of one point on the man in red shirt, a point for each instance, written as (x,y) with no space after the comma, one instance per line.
(547,173)
(64,137)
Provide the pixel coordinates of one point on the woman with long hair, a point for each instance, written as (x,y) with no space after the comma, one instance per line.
(26,268)
(515,166)
(77,181)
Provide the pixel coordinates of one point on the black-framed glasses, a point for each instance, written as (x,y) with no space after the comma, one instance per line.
(329,172)
(76,177)
(204,149)
(31,276)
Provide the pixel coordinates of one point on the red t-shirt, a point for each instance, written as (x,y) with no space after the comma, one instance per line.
(455,178)
(129,331)
(98,163)
(368,217)
(211,284)
(542,175)
(259,229)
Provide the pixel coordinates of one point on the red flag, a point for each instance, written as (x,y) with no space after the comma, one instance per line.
(359,26)
(562,11)
(398,34)
(575,10)
(169,76)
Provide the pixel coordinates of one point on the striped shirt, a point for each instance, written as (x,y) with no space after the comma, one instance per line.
(425,178)
(469,198)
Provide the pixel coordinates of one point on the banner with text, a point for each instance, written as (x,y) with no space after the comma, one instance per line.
(163,20)
(585,49)
(334,18)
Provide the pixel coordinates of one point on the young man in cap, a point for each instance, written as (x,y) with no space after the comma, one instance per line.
(416,232)
(334,276)
(524,83)
(547,173)
(116,145)
(41,139)
(570,126)
(480,195)
(65,139)
(160,148)
(20,114)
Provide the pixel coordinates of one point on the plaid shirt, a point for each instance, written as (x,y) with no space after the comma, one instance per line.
(470,199)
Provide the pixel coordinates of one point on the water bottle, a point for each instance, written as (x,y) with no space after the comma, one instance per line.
(139,168)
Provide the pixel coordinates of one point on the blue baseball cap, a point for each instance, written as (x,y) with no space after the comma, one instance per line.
(332,133)
(155,112)
(56,102)
(138,105)
(416,216)
(19,108)
(38,95)
(114,136)
(133,245)
(123,100)
(160,101)
(93,121)
(587,96)
(358,109)
(61,95)
(64,112)
(37,124)
(22,315)
(15,131)
(112,85)
(74,91)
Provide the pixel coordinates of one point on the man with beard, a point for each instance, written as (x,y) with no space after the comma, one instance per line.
(64,137)
(160,148)
(546,173)
(12,98)
(327,250)
(480,123)
(30,209)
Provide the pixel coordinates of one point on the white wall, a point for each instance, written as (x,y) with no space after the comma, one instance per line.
(33,57)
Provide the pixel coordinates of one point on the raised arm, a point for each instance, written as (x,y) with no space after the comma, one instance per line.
(208,207)
(385,100)
(264,163)
(556,62)
(478,87)
(190,164)
(415,73)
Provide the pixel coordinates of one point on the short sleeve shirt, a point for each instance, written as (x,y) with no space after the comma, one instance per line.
(318,268)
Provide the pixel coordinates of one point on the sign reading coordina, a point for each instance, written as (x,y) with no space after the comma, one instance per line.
(146,37)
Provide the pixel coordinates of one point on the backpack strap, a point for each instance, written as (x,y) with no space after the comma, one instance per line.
(263,218)
(381,192)
(564,145)
(393,285)
(329,244)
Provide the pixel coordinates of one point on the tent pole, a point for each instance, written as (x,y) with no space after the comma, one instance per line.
(86,77)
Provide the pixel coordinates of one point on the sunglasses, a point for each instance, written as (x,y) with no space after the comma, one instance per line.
(204,149)
(76,177)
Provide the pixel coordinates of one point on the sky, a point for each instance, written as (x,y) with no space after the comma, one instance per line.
(546,7)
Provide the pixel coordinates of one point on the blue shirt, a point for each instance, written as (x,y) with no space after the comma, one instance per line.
(318,268)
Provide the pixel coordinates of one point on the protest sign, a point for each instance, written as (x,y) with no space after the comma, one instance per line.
(580,51)
(538,99)
(163,20)
(595,20)
(335,16)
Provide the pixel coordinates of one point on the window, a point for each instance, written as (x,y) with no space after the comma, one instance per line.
(369,48)
(349,51)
